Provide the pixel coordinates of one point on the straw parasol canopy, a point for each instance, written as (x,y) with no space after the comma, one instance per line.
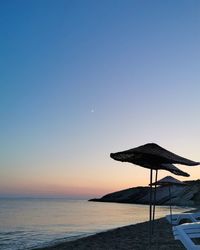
(168,180)
(153,156)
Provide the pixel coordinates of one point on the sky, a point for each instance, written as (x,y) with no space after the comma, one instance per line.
(82,79)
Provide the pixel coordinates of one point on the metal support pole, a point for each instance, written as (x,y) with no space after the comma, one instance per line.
(170,205)
(154,202)
(150,208)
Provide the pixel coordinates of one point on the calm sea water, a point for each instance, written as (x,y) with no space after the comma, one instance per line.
(30,223)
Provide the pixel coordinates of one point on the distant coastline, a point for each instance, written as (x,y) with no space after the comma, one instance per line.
(184,195)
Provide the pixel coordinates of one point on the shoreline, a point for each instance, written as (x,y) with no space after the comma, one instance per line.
(124,238)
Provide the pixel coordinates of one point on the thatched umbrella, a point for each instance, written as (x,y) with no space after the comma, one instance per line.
(153,157)
(167,181)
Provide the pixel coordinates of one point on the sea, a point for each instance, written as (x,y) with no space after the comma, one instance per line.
(28,223)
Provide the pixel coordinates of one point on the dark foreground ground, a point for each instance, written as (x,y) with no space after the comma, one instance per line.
(125,238)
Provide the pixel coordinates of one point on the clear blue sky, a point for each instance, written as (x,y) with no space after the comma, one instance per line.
(81,79)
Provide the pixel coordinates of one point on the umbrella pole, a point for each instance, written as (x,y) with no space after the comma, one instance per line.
(154,202)
(150,208)
(170,205)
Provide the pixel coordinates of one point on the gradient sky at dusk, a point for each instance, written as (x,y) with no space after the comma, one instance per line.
(81,79)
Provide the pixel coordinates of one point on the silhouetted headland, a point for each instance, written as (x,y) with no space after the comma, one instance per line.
(182,195)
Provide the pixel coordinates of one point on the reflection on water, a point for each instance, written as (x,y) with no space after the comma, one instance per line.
(27,223)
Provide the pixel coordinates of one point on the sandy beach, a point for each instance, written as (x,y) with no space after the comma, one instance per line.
(125,238)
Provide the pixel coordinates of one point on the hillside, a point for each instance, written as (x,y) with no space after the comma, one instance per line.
(185,195)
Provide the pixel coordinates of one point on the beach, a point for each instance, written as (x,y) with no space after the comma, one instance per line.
(125,238)
(38,223)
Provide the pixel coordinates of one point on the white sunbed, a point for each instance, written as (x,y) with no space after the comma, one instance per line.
(186,233)
(175,219)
